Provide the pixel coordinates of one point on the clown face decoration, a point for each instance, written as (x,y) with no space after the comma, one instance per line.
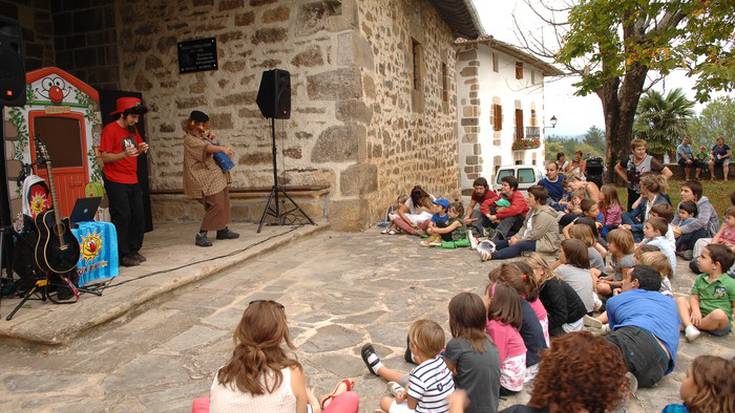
(54,89)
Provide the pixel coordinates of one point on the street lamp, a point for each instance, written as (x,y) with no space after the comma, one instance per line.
(553,122)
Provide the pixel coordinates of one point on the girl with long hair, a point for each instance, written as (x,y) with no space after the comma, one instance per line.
(261,377)
(709,387)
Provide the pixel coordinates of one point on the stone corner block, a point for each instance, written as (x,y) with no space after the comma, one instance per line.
(343,83)
(359,179)
(348,214)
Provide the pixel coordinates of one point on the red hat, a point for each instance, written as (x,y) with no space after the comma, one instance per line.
(126,103)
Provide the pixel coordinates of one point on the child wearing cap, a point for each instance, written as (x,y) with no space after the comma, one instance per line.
(439,220)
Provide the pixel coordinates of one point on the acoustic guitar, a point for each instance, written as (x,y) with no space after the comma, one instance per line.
(57,250)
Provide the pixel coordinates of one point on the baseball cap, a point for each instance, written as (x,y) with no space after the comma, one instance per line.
(443,202)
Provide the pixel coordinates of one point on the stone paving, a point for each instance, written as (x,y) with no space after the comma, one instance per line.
(340,291)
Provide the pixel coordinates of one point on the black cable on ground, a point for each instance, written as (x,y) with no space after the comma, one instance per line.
(108,284)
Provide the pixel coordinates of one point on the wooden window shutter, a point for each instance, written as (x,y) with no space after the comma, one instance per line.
(519,124)
(497,117)
(519,70)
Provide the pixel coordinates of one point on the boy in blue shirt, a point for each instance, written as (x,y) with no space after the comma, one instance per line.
(440,219)
(644,325)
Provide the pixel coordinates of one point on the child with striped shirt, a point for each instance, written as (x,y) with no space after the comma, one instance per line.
(429,383)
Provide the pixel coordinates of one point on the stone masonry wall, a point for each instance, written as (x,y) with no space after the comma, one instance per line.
(312,39)
(38,30)
(86,41)
(411,136)
(470,149)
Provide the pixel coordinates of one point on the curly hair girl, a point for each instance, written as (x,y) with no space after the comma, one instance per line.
(569,378)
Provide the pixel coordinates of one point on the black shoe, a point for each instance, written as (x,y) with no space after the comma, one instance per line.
(139,257)
(129,261)
(407,354)
(227,234)
(201,240)
(366,351)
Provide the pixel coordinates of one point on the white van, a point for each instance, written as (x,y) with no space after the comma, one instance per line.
(527,176)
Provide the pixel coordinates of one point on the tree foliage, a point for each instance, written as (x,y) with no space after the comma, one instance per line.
(614,46)
(595,138)
(662,120)
(716,119)
(592,144)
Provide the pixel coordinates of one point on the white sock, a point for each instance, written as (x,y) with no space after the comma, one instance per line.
(372,361)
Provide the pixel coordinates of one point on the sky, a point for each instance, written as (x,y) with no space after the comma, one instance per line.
(575,114)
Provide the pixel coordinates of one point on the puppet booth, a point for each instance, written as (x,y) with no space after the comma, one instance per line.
(63,112)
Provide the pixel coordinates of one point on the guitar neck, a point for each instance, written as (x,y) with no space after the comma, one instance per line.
(57,215)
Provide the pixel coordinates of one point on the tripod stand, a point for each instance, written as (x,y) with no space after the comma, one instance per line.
(274,208)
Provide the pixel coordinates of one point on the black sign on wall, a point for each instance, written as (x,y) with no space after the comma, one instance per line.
(197,55)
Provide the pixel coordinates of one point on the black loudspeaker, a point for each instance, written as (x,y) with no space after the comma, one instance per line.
(12,71)
(274,94)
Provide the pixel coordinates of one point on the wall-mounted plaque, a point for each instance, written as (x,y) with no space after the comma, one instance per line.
(197,55)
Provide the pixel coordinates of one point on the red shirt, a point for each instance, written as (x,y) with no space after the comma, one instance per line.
(124,171)
(489,194)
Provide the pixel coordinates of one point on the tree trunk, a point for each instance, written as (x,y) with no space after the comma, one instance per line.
(619,103)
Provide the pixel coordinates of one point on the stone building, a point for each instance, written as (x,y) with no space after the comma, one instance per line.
(500,94)
(373,90)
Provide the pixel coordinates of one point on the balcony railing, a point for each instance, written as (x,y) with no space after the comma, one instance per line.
(533,132)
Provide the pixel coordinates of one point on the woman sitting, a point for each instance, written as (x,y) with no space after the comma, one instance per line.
(653,189)
(261,377)
(414,215)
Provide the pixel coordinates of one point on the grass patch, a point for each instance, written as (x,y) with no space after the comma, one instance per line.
(718,193)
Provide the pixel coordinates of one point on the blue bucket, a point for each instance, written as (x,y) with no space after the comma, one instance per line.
(223,161)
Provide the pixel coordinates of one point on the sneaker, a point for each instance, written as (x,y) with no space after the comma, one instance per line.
(473,241)
(691,333)
(227,234)
(129,261)
(596,302)
(139,257)
(201,240)
(394,388)
(592,322)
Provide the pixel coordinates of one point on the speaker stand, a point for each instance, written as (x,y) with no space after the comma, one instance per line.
(276,208)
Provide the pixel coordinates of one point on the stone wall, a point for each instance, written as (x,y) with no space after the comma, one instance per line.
(86,41)
(38,30)
(411,136)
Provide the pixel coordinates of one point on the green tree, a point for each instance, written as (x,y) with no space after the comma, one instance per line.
(614,45)
(595,137)
(662,120)
(717,118)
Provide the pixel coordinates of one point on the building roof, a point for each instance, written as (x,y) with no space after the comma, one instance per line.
(547,68)
(461,16)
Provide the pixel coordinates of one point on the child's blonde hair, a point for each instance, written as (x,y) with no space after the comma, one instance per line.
(658,261)
(536,261)
(583,233)
(623,240)
(427,336)
(714,378)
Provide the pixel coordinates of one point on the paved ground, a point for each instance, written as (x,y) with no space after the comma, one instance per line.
(340,291)
(167,248)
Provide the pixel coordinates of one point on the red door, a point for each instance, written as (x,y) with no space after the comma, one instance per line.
(64,136)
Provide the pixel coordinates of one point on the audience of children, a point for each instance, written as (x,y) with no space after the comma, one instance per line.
(711,303)
(709,387)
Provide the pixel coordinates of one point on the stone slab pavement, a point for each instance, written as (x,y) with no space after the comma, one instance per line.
(167,248)
(340,291)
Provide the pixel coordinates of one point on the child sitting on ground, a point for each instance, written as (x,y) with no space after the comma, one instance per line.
(665,211)
(574,268)
(712,300)
(687,212)
(562,304)
(583,233)
(471,355)
(725,236)
(392,229)
(455,234)
(621,246)
(653,234)
(429,383)
(439,221)
(527,287)
(504,318)
(709,387)
(609,204)
(658,261)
